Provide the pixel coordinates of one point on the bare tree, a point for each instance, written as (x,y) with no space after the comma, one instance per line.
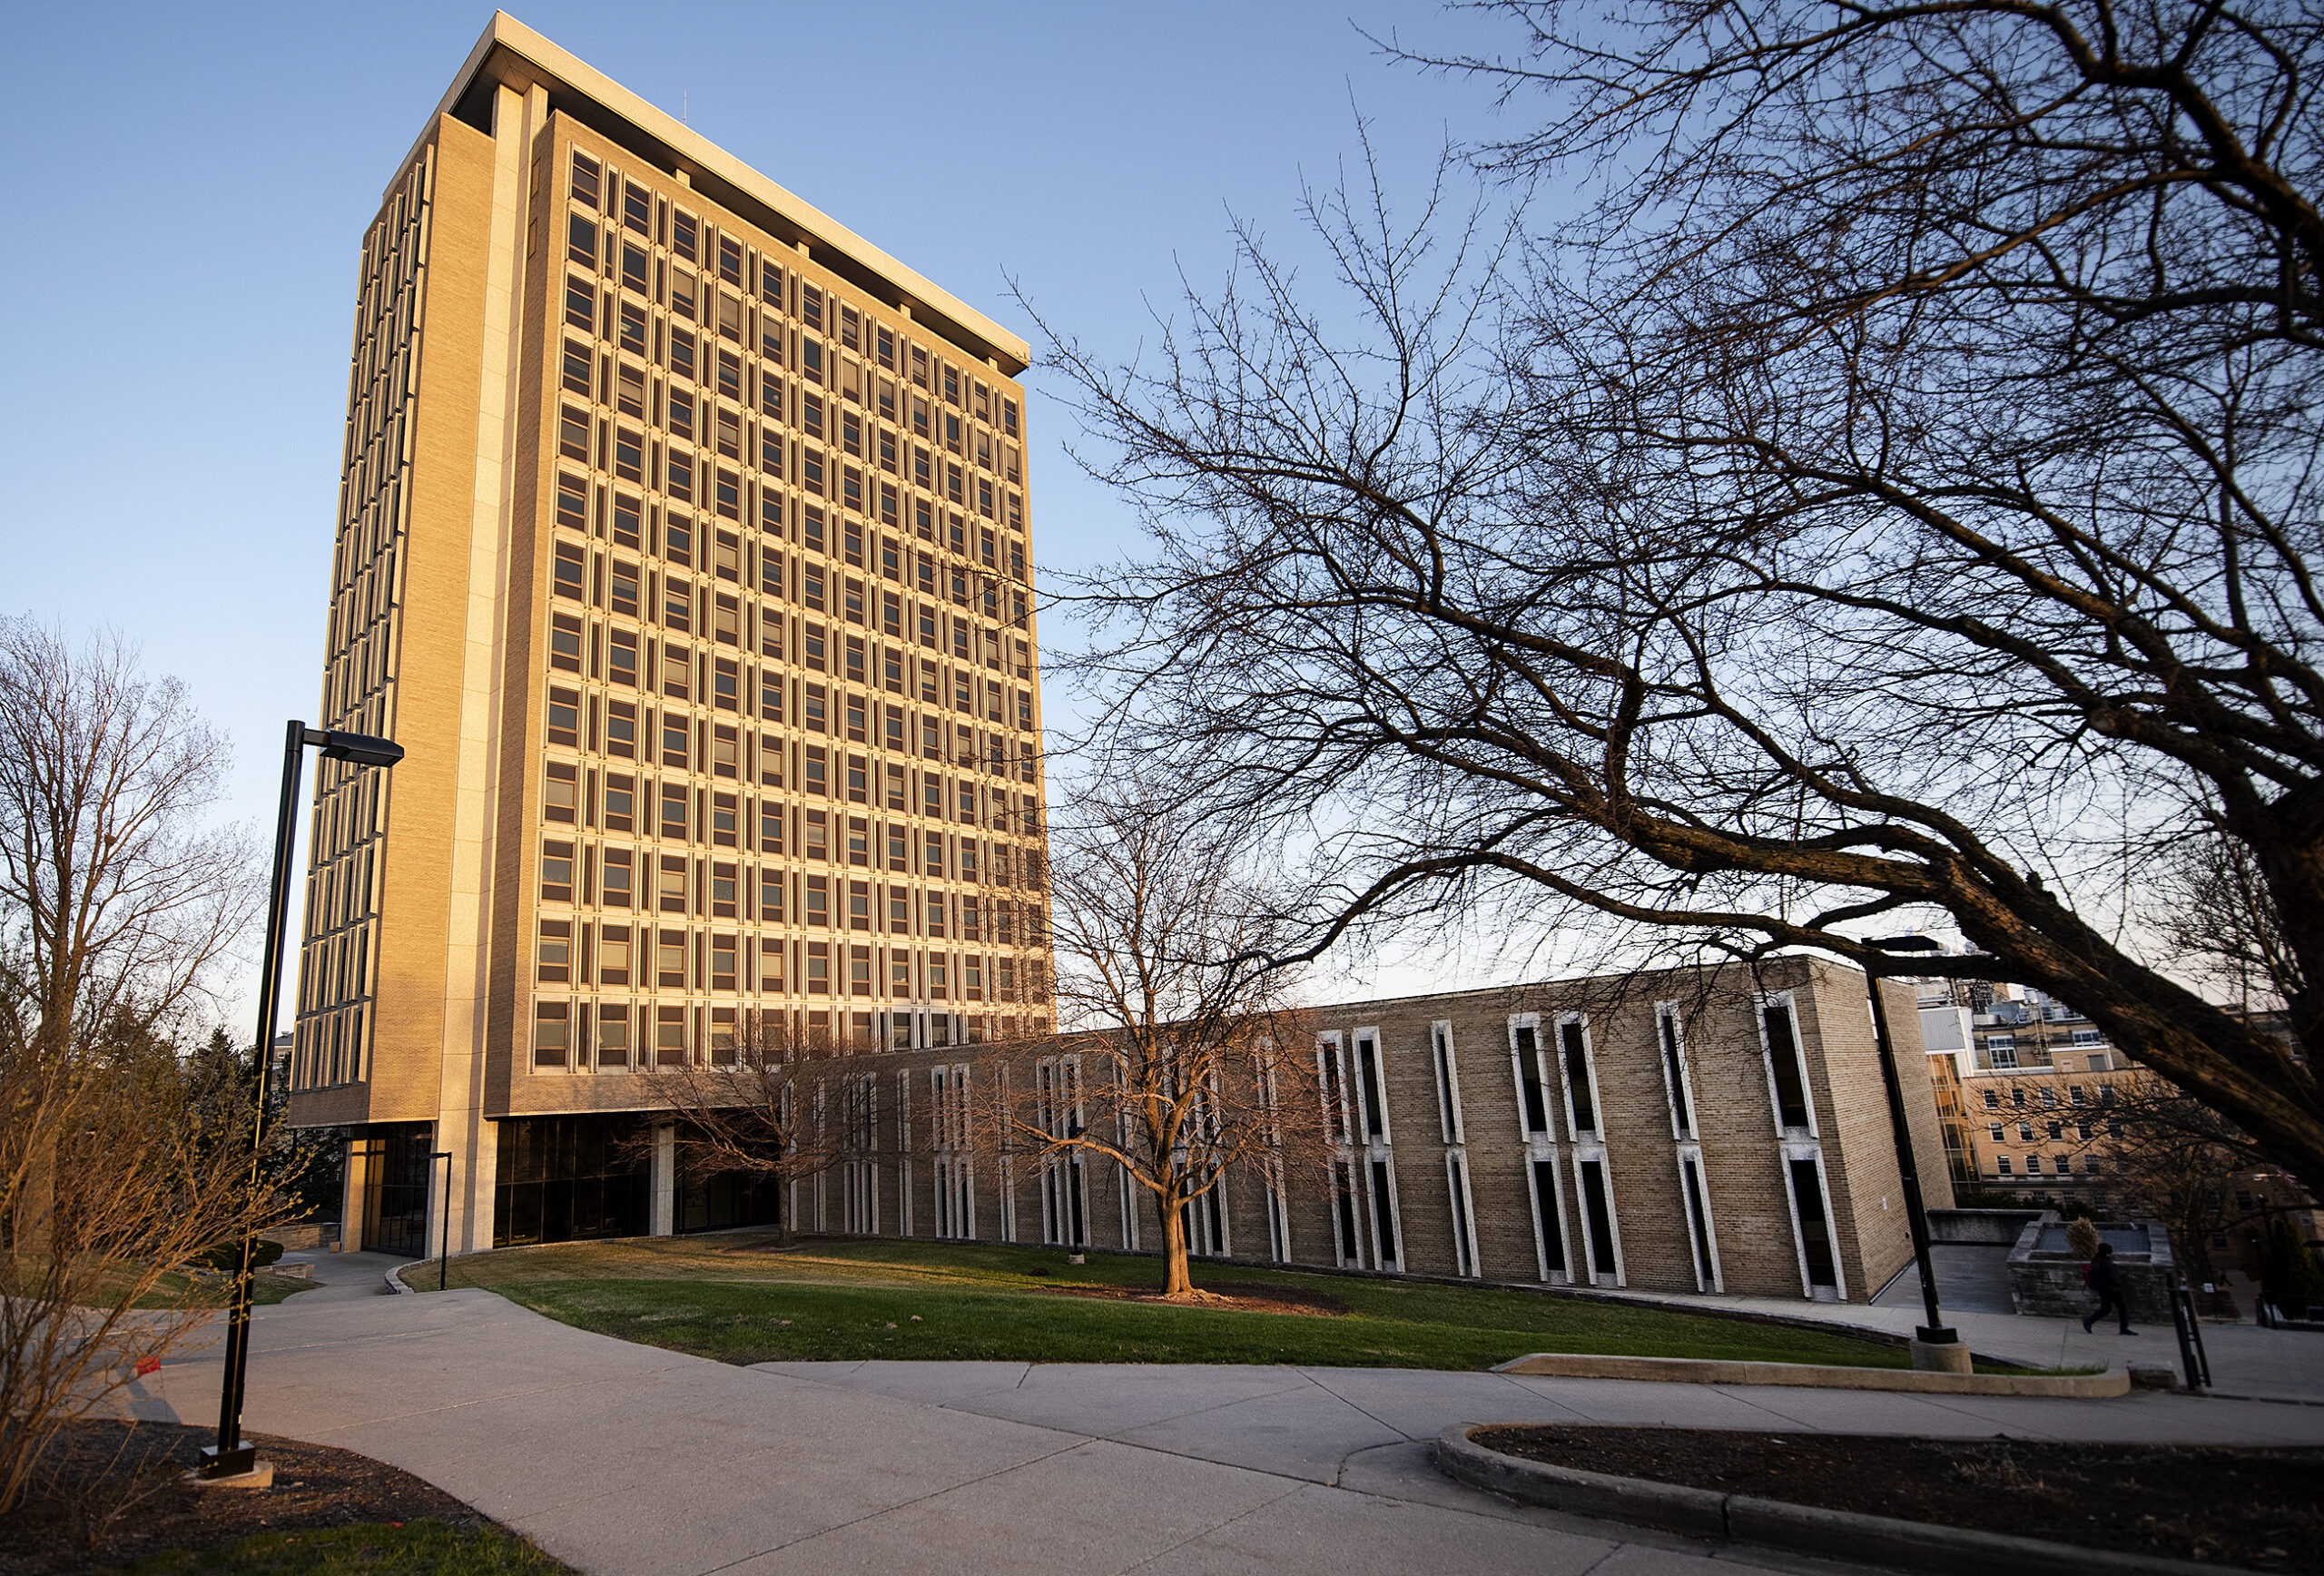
(133,1192)
(123,898)
(771,1105)
(2167,1157)
(2219,918)
(1182,1064)
(1893,494)
(117,905)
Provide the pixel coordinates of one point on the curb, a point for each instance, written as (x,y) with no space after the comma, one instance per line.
(1707,1513)
(395,1283)
(1722,1371)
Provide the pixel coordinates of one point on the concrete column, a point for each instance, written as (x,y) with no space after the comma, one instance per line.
(460,1124)
(665,1181)
(353,1178)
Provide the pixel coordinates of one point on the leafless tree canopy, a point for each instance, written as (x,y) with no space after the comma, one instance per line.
(120,901)
(772,1104)
(1187,1068)
(1890,489)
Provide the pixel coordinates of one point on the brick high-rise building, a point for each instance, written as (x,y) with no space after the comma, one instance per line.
(682,545)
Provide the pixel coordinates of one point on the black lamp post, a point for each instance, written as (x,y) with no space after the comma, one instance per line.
(230,1457)
(443,1258)
(1936,1333)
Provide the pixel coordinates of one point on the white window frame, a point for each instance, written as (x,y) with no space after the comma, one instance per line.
(1595,1155)
(1361,1132)
(1561,1272)
(1526,1135)
(1788,1001)
(1375,1157)
(1804,1150)
(1444,1055)
(1668,1018)
(1333,1075)
(1463,1200)
(1691,1153)
(1597,1133)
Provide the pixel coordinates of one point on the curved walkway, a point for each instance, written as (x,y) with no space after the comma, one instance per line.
(621,1458)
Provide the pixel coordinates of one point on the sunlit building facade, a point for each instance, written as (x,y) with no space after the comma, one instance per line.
(682,545)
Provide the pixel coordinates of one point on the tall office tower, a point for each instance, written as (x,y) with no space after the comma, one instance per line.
(682,546)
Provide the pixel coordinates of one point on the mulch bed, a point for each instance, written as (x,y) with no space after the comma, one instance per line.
(111,1493)
(1238,1296)
(2258,1508)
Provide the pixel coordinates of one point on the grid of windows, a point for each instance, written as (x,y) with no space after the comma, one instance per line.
(791,704)
(350,805)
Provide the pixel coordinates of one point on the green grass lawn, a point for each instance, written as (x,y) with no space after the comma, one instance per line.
(179,1291)
(392,1548)
(726,1297)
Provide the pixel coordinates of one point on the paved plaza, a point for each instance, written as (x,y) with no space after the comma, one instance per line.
(624,1459)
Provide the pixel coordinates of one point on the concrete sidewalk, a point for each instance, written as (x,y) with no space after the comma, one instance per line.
(2246,1360)
(621,1458)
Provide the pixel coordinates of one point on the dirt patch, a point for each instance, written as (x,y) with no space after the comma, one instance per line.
(1236,1296)
(110,1493)
(2255,1508)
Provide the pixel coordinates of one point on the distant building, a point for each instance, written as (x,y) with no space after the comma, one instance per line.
(2025,1085)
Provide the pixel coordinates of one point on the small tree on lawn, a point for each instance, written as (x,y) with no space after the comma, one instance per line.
(772,1104)
(117,904)
(1182,1064)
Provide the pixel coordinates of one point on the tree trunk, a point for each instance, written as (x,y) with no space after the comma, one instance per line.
(1177,1282)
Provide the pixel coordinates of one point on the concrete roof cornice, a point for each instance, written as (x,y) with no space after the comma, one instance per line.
(510,52)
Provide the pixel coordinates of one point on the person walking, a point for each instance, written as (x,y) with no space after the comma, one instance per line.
(2098,1276)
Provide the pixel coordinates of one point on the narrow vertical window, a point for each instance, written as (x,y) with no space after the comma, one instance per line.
(1815,1232)
(1699,1228)
(1598,1210)
(1529,1078)
(1550,1218)
(1783,1058)
(1682,1116)
(1577,1076)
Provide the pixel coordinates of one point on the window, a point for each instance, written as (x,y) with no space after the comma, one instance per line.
(564,717)
(1993,1099)
(564,643)
(722,963)
(621,728)
(671,884)
(557,872)
(552,1033)
(613,955)
(1581,1098)
(554,958)
(614,882)
(1533,1105)
(580,303)
(569,568)
(621,801)
(1783,1059)
(572,503)
(585,179)
(576,377)
(669,1036)
(559,795)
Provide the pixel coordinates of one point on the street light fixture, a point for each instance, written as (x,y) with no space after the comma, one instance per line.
(1936,1333)
(230,1457)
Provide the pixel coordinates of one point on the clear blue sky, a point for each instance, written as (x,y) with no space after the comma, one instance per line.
(190,183)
